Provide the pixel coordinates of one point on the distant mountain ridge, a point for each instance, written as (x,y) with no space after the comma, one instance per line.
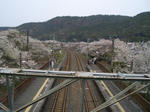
(69,28)
(4,28)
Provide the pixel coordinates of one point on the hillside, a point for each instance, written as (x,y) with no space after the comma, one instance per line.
(12,42)
(93,27)
(76,28)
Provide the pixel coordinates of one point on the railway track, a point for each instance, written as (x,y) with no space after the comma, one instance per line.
(61,102)
(19,88)
(60,99)
(90,98)
(89,104)
(128,104)
(69,98)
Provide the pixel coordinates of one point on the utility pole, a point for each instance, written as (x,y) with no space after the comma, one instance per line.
(148,64)
(113,43)
(27,49)
(51,61)
(87,55)
(20,60)
(132,65)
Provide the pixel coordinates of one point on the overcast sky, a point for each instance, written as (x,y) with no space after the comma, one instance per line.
(16,12)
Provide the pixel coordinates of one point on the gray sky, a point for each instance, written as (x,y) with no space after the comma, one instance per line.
(16,12)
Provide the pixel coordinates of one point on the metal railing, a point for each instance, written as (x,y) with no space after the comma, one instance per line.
(71,76)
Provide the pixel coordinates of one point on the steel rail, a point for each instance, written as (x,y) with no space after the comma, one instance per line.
(92,96)
(66,89)
(90,92)
(115,97)
(139,99)
(84,103)
(67,65)
(73,75)
(65,99)
(55,102)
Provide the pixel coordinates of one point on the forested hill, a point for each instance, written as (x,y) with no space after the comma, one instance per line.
(68,28)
